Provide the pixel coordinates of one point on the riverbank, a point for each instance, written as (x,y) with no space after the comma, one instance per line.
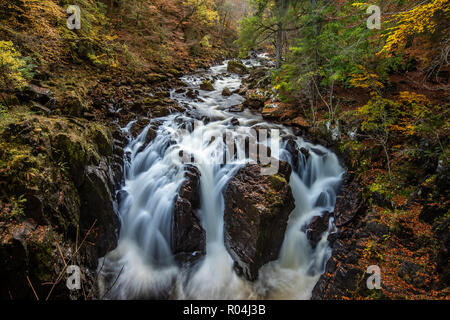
(61,157)
(390,214)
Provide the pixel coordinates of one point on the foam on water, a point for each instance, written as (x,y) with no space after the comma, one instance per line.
(142,266)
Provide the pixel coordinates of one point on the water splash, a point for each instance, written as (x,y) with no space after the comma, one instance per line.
(142,266)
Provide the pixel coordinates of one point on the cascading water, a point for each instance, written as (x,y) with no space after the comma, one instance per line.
(142,266)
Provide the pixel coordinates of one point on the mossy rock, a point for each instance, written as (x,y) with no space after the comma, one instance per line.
(237,67)
(73,105)
(72,153)
(103,143)
(155,78)
(207,86)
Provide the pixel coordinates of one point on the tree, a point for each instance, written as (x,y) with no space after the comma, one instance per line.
(272,18)
(428,21)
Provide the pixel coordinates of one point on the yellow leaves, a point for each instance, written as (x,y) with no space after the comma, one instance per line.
(366,80)
(416,21)
(204,10)
(404,117)
(404,127)
(360,5)
(11,76)
(412,97)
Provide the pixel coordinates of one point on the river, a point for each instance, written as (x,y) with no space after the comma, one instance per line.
(142,266)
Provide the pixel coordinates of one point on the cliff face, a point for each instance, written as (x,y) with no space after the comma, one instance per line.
(66,172)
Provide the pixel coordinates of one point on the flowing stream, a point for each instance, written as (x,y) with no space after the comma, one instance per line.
(142,266)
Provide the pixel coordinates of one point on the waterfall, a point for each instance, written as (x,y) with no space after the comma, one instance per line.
(143,266)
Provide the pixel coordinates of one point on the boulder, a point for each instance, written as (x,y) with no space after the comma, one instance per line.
(259,78)
(192,94)
(234,121)
(72,105)
(188,235)
(207,86)
(226,92)
(237,108)
(36,93)
(237,67)
(348,204)
(257,209)
(317,227)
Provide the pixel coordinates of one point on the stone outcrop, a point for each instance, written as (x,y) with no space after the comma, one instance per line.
(68,173)
(188,236)
(257,208)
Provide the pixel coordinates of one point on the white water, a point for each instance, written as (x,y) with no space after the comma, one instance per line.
(142,266)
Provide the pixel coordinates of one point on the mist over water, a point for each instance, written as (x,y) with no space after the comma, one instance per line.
(142,266)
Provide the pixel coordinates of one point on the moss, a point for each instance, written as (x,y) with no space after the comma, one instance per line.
(103,142)
(207,86)
(277,182)
(236,67)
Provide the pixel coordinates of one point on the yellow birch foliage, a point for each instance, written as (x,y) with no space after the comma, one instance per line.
(11,76)
(366,79)
(417,21)
(203,10)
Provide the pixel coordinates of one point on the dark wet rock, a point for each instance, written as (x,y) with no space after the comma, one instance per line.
(255,103)
(188,236)
(432,211)
(322,200)
(409,272)
(74,155)
(242,90)
(378,229)
(71,104)
(344,278)
(234,121)
(192,94)
(97,208)
(103,143)
(237,67)
(317,227)
(348,204)
(226,92)
(149,137)
(237,108)
(257,208)
(259,78)
(297,154)
(138,126)
(36,93)
(318,152)
(442,235)
(207,86)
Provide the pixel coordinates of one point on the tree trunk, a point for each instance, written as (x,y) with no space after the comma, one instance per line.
(279,45)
